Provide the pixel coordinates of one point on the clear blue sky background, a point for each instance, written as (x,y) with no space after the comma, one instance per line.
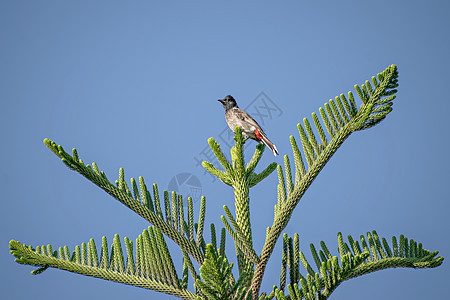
(136,86)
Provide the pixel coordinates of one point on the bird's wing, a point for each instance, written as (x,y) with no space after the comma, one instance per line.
(248,119)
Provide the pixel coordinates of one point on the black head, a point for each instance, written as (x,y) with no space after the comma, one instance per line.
(228,102)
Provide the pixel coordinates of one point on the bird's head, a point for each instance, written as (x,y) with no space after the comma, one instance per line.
(228,102)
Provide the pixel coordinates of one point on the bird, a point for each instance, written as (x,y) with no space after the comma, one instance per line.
(249,127)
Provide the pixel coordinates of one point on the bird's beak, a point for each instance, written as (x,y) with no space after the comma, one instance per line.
(220,100)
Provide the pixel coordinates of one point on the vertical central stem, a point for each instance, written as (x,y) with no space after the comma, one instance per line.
(242,204)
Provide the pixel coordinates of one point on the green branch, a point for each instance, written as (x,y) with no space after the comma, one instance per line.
(152,267)
(145,208)
(241,178)
(341,120)
(353,261)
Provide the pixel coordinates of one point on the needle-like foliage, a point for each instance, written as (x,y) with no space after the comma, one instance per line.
(149,264)
(218,282)
(354,260)
(171,222)
(341,118)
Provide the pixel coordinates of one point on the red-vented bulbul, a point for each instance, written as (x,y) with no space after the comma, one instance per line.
(249,127)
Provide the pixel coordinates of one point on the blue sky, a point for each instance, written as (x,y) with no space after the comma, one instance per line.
(136,86)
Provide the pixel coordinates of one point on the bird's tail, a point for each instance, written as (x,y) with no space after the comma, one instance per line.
(269,144)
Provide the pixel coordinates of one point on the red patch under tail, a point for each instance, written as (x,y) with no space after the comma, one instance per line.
(258,134)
